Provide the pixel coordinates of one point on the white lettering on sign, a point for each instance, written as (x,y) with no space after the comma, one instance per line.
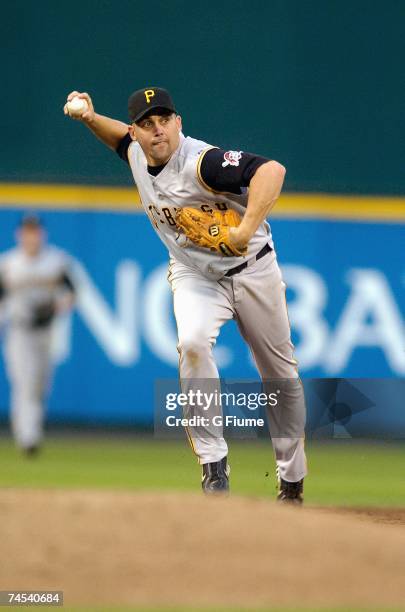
(306,313)
(370,318)
(116,331)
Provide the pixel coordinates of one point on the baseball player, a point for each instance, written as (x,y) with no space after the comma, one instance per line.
(209,207)
(35,285)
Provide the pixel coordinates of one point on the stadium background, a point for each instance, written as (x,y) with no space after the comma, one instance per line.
(290,81)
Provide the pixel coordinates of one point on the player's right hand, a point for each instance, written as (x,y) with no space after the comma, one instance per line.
(88,115)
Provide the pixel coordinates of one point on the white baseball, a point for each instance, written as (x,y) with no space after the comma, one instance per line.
(77,106)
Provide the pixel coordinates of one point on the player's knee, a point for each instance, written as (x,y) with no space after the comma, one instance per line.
(195,347)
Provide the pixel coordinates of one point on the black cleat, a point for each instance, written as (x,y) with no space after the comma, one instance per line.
(31,451)
(291,492)
(215,477)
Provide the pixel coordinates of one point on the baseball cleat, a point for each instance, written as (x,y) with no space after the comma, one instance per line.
(31,451)
(215,477)
(291,492)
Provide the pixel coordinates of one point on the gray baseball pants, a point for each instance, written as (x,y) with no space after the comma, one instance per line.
(28,362)
(255,298)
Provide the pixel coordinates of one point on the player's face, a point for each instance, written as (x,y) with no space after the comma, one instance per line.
(31,239)
(159,137)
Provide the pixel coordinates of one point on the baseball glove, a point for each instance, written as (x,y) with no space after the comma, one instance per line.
(210,230)
(43,314)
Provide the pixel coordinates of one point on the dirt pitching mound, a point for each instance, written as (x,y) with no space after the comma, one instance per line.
(110,548)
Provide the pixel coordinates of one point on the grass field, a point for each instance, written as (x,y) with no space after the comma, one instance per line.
(342,472)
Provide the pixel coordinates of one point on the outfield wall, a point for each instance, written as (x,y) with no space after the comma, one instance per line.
(344,269)
(316,85)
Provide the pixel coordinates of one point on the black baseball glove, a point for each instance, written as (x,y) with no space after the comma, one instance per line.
(43,314)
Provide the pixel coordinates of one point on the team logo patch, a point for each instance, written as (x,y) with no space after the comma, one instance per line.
(214,230)
(231,158)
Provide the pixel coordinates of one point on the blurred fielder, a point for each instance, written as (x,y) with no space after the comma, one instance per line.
(35,286)
(209,207)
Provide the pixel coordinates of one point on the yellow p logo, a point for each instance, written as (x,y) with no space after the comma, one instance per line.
(149,93)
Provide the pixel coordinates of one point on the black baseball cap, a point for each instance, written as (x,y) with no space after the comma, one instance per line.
(145,100)
(31,219)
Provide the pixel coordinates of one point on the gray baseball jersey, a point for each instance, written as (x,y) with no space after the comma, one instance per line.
(27,282)
(178,185)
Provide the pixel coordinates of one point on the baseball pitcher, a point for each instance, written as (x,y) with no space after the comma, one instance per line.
(209,207)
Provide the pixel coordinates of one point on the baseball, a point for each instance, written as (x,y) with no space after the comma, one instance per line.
(77,106)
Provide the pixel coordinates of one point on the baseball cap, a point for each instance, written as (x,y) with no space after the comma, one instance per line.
(144,100)
(31,219)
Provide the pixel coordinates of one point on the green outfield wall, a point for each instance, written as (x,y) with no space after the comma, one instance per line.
(317,85)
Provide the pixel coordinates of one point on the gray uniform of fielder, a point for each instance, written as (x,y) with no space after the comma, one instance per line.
(205,297)
(27,284)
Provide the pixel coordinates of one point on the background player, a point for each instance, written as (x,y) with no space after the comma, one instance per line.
(35,286)
(173,172)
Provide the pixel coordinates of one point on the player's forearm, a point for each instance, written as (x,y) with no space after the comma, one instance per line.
(264,189)
(109,131)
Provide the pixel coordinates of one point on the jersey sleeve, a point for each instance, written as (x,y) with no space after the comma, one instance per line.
(228,171)
(122,149)
(2,285)
(66,281)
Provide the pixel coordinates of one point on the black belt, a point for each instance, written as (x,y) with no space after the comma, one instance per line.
(266,249)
